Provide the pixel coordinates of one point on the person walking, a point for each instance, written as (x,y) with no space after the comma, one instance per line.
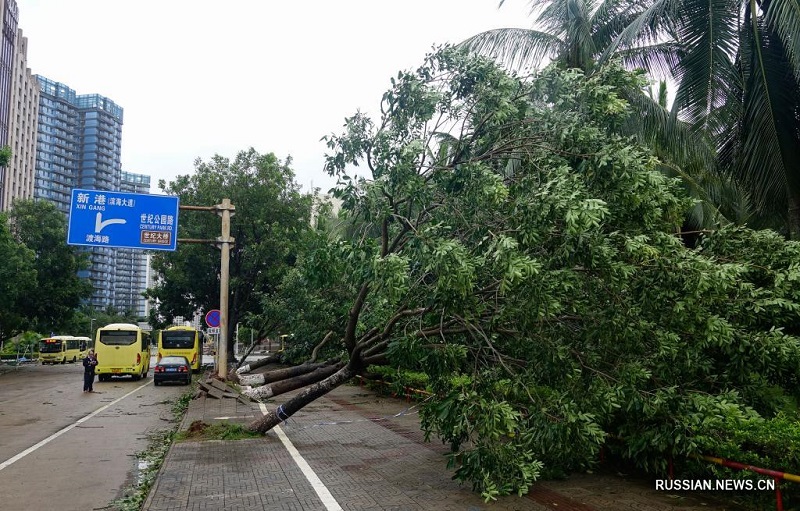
(89,364)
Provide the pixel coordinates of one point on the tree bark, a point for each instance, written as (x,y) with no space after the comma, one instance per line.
(281,374)
(271,359)
(281,387)
(289,408)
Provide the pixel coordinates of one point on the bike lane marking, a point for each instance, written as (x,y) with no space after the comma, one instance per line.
(60,432)
(322,491)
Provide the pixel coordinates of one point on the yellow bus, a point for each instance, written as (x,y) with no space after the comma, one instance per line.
(183,341)
(60,349)
(122,349)
(84,345)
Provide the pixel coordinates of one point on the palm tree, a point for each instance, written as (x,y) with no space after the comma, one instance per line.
(738,81)
(572,33)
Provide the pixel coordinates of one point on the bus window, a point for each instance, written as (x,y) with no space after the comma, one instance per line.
(117,338)
(177,340)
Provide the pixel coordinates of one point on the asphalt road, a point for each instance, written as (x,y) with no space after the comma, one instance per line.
(61,448)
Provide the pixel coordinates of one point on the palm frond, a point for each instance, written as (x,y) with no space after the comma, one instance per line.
(770,143)
(658,60)
(516,47)
(673,140)
(708,33)
(649,27)
(611,18)
(783,17)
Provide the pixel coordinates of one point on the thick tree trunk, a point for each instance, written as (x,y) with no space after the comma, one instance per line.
(280,374)
(258,363)
(289,408)
(281,387)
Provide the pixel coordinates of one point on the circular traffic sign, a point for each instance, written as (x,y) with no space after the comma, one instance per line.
(212,318)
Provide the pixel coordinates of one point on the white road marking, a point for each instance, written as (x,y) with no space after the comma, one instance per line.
(60,432)
(322,491)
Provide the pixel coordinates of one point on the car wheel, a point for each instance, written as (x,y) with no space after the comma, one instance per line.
(156,383)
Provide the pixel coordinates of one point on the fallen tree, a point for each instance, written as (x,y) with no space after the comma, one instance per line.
(277,375)
(272,358)
(514,246)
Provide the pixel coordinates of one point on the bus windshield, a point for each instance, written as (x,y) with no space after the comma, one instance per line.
(120,338)
(177,340)
(50,346)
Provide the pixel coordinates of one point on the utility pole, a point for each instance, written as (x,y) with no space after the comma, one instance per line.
(223,242)
(224,211)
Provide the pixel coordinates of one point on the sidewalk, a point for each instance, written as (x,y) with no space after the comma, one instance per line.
(364,452)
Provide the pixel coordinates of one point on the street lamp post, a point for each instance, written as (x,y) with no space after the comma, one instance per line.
(91,328)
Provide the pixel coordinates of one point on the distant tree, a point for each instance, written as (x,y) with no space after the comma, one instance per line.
(17,280)
(272,218)
(512,244)
(58,292)
(5,156)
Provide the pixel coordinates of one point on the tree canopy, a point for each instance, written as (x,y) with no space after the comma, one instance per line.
(271,219)
(17,278)
(52,290)
(735,67)
(509,241)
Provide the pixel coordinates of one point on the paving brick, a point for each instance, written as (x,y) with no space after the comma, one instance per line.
(370,454)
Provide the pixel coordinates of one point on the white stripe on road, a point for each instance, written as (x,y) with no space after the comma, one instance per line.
(64,430)
(324,495)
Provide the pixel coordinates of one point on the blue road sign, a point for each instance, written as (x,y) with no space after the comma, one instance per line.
(99,218)
(213,318)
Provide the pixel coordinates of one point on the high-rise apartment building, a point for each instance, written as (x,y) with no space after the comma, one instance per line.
(20,174)
(131,265)
(57,144)
(78,145)
(8,38)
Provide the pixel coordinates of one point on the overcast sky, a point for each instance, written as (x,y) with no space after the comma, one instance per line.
(198,77)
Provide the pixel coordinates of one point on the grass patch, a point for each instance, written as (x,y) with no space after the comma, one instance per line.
(199,430)
(180,406)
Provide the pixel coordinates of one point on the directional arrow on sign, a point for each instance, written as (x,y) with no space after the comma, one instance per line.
(99,223)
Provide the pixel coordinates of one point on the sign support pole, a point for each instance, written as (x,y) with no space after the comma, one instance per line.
(224,210)
(224,242)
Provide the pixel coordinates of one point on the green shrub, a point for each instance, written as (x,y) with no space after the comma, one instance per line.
(398,381)
(772,443)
